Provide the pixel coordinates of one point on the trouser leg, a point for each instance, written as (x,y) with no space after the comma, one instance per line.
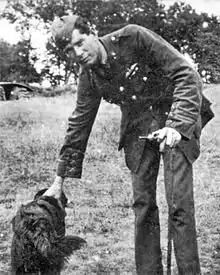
(178,177)
(147,229)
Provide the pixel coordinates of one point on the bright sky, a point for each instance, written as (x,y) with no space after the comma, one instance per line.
(7,31)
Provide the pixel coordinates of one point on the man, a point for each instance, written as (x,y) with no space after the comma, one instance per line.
(160,97)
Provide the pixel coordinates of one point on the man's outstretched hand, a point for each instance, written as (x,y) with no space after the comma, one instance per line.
(55,189)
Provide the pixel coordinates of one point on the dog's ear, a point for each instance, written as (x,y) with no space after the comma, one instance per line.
(40,193)
(63,200)
(13,222)
(18,221)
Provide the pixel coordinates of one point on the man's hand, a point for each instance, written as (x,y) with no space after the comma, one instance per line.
(55,189)
(166,136)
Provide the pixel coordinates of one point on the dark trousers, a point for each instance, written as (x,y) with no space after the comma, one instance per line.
(179,194)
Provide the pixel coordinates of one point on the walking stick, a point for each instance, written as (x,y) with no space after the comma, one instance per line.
(169,246)
(169,235)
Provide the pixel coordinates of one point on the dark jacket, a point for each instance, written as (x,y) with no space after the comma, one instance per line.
(154,86)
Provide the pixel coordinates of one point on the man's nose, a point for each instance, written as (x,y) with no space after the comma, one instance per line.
(79,52)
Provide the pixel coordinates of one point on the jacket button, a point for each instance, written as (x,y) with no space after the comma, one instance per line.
(121,88)
(113,54)
(134,97)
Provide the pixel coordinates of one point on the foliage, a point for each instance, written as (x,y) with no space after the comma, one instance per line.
(64,66)
(197,35)
(58,91)
(206,49)
(149,14)
(16,64)
(6,60)
(23,63)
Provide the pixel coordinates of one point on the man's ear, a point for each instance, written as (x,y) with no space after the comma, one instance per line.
(69,50)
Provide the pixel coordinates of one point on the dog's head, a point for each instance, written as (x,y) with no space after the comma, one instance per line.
(63,199)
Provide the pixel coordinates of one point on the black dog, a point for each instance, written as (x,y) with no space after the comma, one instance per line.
(39,245)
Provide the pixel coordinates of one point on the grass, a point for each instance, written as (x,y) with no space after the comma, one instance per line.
(31,133)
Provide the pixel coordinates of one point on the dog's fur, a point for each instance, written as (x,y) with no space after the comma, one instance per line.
(39,245)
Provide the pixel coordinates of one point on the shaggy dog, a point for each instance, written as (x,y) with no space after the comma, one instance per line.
(39,245)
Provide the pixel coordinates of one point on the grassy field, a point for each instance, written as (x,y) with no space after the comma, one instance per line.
(31,133)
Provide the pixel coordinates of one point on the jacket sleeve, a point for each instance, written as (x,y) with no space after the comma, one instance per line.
(79,127)
(187,94)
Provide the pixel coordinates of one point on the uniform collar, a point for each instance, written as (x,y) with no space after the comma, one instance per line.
(104,53)
(111,55)
(111,41)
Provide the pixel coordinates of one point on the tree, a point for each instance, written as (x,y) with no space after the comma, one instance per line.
(149,14)
(206,52)
(195,34)
(23,63)
(182,25)
(6,60)
(15,64)
(58,67)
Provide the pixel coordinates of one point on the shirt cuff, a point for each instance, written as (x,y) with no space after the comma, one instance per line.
(71,168)
(186,130)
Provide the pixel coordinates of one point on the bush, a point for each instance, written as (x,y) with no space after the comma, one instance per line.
(53,92)
(58,91)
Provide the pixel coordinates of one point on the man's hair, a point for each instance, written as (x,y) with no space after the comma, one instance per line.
(82,25)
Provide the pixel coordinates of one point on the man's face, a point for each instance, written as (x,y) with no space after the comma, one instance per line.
(86,48)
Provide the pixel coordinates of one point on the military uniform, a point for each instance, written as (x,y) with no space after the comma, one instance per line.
(155,87)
